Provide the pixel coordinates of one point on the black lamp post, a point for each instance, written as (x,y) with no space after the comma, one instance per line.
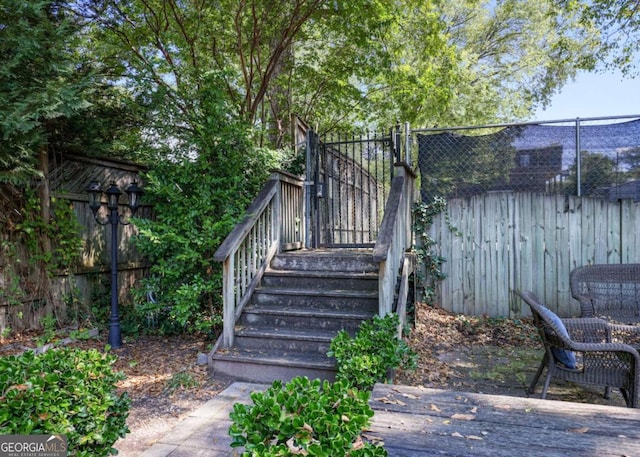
(113,194)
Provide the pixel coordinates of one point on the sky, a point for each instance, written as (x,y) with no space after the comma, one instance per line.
(593,95)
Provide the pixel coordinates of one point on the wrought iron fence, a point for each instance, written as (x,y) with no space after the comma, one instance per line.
(595,157)
(352,175)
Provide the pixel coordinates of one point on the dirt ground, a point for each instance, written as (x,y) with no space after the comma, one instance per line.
(484,355)
(493,356)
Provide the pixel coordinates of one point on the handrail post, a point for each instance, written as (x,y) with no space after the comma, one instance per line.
(229,301)
(277,212)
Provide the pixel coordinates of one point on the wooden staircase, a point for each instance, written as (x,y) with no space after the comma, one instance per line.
(303,299)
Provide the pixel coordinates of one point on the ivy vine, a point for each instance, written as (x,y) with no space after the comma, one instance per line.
(431,272)
(36,246)
(63,231)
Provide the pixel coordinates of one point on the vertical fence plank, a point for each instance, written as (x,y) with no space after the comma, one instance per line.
(525,244)
(629,234)
(563,263)
(457,254)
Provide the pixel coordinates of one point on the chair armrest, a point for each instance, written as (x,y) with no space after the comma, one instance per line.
(625,328)
(607,347)
(629,334)
(585,322)
(588,329)
(586,304)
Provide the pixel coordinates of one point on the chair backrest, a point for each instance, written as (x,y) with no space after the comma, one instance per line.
(551,330)
(608,290)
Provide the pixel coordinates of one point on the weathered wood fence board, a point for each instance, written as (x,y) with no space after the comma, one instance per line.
(525,241)
(89,276)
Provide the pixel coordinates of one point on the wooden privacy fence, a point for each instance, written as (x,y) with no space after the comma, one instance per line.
(506,241)
(87,279)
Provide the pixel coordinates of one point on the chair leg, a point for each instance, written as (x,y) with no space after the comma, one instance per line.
(625,395)
(536,378)
(546,385)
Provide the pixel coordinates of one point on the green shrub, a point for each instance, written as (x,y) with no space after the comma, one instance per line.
(376,350)
(304,417)
(64,391)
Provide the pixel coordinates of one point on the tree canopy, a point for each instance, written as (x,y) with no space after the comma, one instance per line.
(618,27)
(336,64)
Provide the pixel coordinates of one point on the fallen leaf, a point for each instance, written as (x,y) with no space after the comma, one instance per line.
(579,430)
(474,437)
(457,435)
(295,450)
(411,396)
(502,407)
(474,410)
(435,408)
(463,417)
(388,401)
(358,444)
(372,438)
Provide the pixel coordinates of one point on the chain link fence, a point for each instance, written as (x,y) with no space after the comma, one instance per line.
(594,157)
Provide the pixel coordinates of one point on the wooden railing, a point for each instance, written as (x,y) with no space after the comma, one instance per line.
(394,239)
(273,223)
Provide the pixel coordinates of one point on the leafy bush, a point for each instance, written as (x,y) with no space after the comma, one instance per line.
(368,357)
(64,391)
(199,190)
(304,417)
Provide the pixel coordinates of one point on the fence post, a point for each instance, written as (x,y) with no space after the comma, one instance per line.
(229,311)
(307,190)
(578,160)
(407,143)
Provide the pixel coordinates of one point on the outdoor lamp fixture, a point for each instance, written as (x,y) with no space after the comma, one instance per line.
(95,201)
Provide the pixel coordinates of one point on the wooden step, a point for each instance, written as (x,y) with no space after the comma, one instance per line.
(320,280)
(263,366)
(297,318)
(360,261)
(304,299)
(315,299)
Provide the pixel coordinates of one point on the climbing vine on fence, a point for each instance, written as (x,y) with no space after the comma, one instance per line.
(429,271)
(35,249)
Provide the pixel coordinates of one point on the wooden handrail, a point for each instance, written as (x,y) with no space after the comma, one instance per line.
(389,219)
(271,221)
(394,237)
(240,231)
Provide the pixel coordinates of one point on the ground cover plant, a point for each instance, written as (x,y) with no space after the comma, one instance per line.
(66,391)
(304,417)
(372,354)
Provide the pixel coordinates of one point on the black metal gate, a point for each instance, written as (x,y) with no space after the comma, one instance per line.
(348,180)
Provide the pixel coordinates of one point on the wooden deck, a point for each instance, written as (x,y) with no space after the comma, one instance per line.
(415,422)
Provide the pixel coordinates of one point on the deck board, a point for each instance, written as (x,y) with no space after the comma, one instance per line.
(414,421)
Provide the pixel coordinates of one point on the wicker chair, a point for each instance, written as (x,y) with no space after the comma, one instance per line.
(601,363)
(609,291)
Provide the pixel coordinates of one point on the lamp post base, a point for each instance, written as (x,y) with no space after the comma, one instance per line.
(115,337)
